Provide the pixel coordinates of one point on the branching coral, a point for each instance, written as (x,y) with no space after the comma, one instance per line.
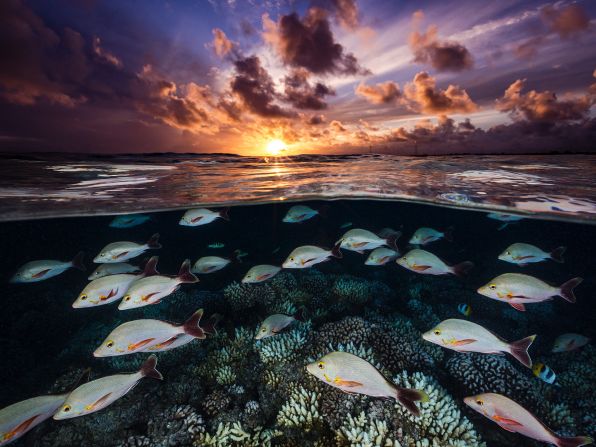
(364,432)
(301,410)
(284,347)
(234,435)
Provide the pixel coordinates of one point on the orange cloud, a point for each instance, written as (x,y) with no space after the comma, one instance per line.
(441,55)
(382,93)
(221,44)
(422,95)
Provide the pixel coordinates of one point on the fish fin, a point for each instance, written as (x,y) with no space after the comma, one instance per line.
(209,327)
(518,306)
(392,240)
(519,350)
(196,219)
(566,290)
(299,315)
(407,397)
(153,241)
(111,294)
(349,383)
(139,344)
(192,327)
(77,261)
(521,258)
(505,421)
(336,252)
(576,441)
(504,427)
(98,402)
(570,344)
(502,227)
(359,244)
(225,213)
(557,254)
(263,277)
(150,268)
(119,255)
(19,429)
(383,259)
(420,268)
(184,275)
(462,268)
(163,344)
(448,234)
(464,342)
(40,273)
(148,368)
(148,297)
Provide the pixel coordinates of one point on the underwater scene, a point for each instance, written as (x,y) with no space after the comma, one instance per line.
(315,323)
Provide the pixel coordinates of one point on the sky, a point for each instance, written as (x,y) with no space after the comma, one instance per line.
(263,77)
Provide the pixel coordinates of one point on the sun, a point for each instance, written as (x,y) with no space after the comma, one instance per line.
(276,147)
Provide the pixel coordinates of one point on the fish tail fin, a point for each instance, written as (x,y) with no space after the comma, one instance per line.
(77,261)
(153,241)
(151,267)
(191,326)
(148,368)
(448,234)
(557,254)
(408,398)
(392,240)
(566,290)
(502,227)
(225,213)
(209,327)
(184,275)
(519,350)
(336,252)
(462,268)
(576,441)
(299,315)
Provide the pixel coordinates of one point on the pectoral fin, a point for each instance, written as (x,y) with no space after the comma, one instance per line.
(19,429)
(263,277)
(463,342)
(348,383)
(119,255)
(505,421)
(40,274)
(518,306)
(139,344)
(196,219)
(420,268)
(148,297)
(359,244)
(98,402)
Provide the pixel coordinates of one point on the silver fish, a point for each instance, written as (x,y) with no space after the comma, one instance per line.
(425,262)
(309,255)
(274,324)
(299,213)
(209,264)
(35,271)
(260,273)
(523,254)
(129,220)
(360,240)
(113,269)
(123,251)
(202,216)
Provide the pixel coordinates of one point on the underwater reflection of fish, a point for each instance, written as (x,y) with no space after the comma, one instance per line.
(108,289)
(424,236)
(152,289)
(209,264)
(21,417)
(98,394)
(512,417)
(151,335)
(360,240)
(522,254)
(112,269)
(260,273)
(123,251)
(299,213)
(381,256)
(517,290)
(274,324)
(465,336)
(129,220)
(426,263)
(309,255)
(351,374)
(203,216)
(505,218)
(569,342)
(35,271)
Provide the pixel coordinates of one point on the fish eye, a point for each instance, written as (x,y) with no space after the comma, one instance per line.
(264,329)
(508,253)
(492,286)
(321,365)
(127,298)
(83,297)
(437,332)
(66,408)
(479,402)
(291,259)
(109,344)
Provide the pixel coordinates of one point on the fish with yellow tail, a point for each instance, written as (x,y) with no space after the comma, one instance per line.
(125,250)
(35,271)
(511,416)
(98,394)
(351,374)
(274,324)
(309,255)
(426,263)
(569,342)
(544,373)
(203,216)
(465,336)
(524,254)
(517,290)
(464,309)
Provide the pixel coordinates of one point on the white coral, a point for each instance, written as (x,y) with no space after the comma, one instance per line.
(284,347)
(301,410)
(364,432)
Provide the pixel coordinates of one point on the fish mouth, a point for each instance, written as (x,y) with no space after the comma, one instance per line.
(468,401)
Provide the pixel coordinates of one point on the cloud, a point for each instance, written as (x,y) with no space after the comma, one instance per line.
(105,55)
(222,46)
(441,55)
(382,93)
(315,120)
(542,107)
(301,94)
(255,88)
(567,21)
(337,126)
(309,43)
(422,95)
(346,12)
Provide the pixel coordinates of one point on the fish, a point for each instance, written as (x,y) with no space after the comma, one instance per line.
(21,417)
(309,255)
(523,254)
(425,235)
(464,309)
(274,324)
(260,273)
(360,240)
(506,218)
(129,220)
(150,335)
(107,289)
(98,394)
(511,416)
(123,251)
(351,374)
(381,256)
(465,336)
(209,264)
(569,342)
(345,225)
(544,373)
(153,289)
(422,261)
(112,269)
(299,213)
(216,245)
(517,290)
(203,216)
(239,254)
(35,271)
(209,327)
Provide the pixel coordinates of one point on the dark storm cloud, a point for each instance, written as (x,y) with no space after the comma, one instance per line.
(309,43)
(302,94)
(567,21)
(255,88)
(441,55)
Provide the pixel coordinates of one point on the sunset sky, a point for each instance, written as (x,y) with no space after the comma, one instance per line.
(277,76)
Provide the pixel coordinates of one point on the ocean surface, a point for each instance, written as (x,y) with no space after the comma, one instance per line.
(230,389)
